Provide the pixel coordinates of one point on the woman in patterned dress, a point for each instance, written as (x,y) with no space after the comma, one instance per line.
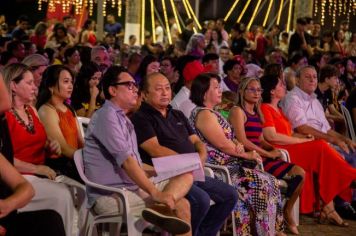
(259,211)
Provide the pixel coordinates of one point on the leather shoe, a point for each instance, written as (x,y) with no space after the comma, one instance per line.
(160,215)
(346,212)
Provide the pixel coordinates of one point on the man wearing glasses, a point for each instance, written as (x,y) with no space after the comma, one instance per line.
(111,158)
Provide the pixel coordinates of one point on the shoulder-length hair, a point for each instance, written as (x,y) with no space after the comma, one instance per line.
(200,86)
(50,78)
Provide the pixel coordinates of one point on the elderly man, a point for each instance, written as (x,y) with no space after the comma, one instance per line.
(163,131)
(307,116)
(111,158)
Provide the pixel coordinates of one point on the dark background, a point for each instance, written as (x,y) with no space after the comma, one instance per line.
(14,8)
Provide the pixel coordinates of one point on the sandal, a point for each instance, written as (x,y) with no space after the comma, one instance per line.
(326,218)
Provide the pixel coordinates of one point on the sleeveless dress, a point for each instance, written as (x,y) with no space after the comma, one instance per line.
(68,126)
(316,158)
(253,130)
(27,146)
(259,209)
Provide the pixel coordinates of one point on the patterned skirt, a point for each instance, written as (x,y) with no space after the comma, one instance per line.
(259,209)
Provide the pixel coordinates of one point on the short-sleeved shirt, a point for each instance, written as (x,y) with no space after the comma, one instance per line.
(303,109)
(325,98)
(351,103)
(110,139)
(172,131)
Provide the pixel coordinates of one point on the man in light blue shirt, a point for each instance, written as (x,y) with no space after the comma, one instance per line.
(111,158)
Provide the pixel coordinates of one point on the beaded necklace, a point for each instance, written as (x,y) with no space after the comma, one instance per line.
(30,126)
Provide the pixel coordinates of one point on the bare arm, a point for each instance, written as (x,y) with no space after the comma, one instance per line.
(154,149)
(271,135)
(134,171)
(25,167)
(331,136)
(4,96)
(215,135)
(50,120)
(237,118)
(199,147)
(22,190)
(334,114)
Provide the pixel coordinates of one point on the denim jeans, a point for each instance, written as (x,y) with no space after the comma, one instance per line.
(207,220)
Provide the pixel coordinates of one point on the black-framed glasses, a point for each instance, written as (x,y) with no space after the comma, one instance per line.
(253,90)
(129,84)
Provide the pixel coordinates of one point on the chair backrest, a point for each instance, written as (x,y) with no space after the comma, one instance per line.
(348,120)
(83,124)
(78,160)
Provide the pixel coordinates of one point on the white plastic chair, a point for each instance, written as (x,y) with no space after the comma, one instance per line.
(221,173)
(349,123)
(83,123)
(135,224)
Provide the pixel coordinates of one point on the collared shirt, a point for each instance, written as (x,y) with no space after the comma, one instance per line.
(172,131)
(304,109)
(110,139)
(182,102)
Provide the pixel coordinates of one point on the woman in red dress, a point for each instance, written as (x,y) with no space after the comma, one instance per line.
(31,147)
(314,156)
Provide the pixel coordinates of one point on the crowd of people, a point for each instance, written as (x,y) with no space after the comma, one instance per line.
(239,99)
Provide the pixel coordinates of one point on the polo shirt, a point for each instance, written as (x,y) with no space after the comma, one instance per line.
(172,131)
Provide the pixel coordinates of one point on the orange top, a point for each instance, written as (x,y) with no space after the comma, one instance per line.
(68,125)
(275,119)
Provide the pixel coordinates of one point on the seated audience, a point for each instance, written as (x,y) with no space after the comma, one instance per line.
(322,160)
(37,64)
(111,147)
(233,70)
(15,191)
(163,131)
(327,85)
(258,191)
(351,106)
(181,100)
(246,120)
(149,64)
(86,97)
(58,117)
(71,59)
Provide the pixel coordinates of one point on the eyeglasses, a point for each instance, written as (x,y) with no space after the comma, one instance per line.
(129,84)
(253,90)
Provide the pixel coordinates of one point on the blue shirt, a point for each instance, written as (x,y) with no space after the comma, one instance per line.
(110,139)
(113,28)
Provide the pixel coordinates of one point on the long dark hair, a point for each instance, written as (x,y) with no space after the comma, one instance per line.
(50,78)
(81,90)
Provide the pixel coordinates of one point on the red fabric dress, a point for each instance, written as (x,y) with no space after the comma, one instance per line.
(334,174)
(27,147)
